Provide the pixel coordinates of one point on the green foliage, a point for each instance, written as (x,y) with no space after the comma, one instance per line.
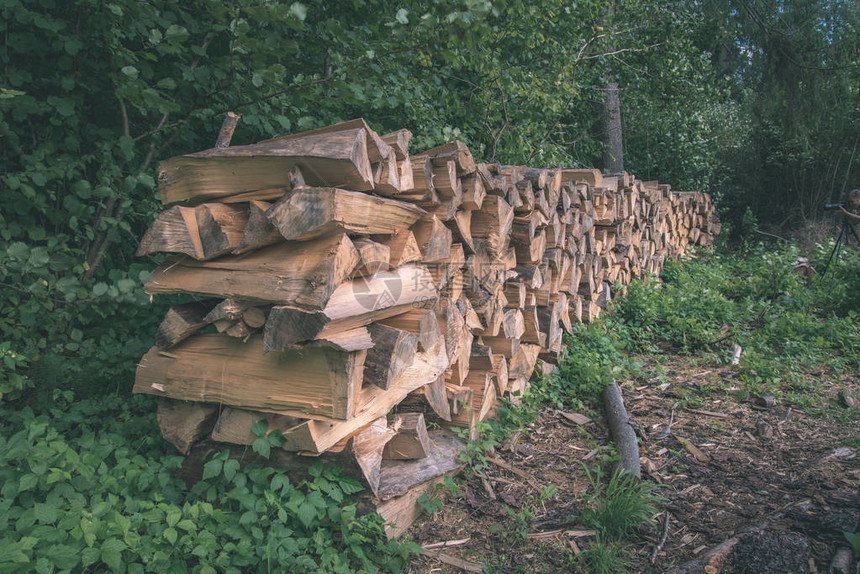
(854,540)
(606,557)
(592,361)
(86,485)
(11,381)
(787,329)
(619,508)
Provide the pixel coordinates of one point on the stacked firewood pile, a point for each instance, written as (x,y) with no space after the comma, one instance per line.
(337,278)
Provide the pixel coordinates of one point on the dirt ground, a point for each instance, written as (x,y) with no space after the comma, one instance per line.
(727,466)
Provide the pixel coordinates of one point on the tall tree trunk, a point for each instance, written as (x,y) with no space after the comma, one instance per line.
(613,152)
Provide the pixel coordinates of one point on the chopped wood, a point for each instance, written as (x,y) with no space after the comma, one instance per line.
(317,436)
(398,476)
(402,247)
(234,425)
(203,232)
(392,352)
(228,126)
(373,257)
(693,449)
(433,238)
(576,418)
(183,423)
(316,382)
(411,440)
(446,544)
(400,512)
(464,565)
(301,274)
(338,159)
(309,212)
(433,304)
(512,469)
(354,304)
(399,142)
(368,446)
(709,413)
(259,232)
(180,322)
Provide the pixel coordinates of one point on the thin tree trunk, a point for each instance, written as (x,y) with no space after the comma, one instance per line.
(613,152)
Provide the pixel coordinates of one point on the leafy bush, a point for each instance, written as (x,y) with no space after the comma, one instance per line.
(592,360)
(87,485)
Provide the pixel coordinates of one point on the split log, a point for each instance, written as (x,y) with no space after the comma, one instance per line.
(310,212)
(234,426)
(259,232)
(411,440)
(399,142)
(473,192)
(202,232)
(402,247)
(184,423)
(316,436)
(316,382)
(338,159)
(367,448)
(434,239)
(393,351)
(301,274)
(456,151)
(373,257)
(353,304)
(397,477)
(180,322)
(493,223)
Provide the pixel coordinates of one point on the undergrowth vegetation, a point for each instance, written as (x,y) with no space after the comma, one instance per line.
(88,486)
(793,332)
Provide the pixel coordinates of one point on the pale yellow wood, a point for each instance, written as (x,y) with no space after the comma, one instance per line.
(306,213)
(316,382)
(301,274)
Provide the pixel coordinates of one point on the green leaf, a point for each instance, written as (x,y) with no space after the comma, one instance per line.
(299,11)
(307,513)
(170,535)
(261,446)
(100,289)
(62,556)
(166,84)
(402,16)
(187,525)
(18,250)
(131,72)
(45,513)
(90,556)
(64,106)
(230,468)
(27,482)
(176,32)
(212,469)
(260,427)
(112,552)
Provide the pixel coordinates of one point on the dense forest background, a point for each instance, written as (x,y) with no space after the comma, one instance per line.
(754,101)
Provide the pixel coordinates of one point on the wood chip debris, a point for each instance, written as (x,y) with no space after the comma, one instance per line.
(694,450)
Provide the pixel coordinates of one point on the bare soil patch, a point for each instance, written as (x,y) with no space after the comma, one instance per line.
(727,465)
